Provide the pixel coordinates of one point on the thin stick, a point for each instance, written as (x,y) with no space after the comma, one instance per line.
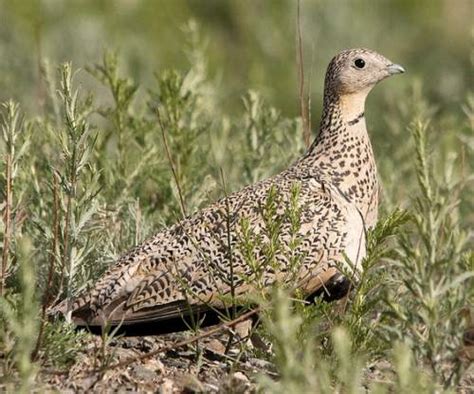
(303,99)
(171,163)
(308,91)
(54,244)
(66,249)
(229,245)
(6,220)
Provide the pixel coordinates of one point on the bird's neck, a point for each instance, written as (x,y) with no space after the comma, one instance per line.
(342,151)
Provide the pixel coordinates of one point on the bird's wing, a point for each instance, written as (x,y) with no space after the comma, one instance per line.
(198,263)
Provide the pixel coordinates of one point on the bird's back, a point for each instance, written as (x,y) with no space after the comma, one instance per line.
(198,263)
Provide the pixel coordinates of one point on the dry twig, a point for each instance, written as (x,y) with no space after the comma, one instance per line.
(304,97)
(171,163)
(52,260)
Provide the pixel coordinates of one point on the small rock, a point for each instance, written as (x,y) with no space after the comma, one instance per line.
(216,346)
(244,328)
(211,388)
(142,373)
(191,384)
(240,383)
(262,365)
(237,383)
(240,377)
(167,386)
(155,365)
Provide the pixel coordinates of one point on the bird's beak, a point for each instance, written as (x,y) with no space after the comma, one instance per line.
(395,69)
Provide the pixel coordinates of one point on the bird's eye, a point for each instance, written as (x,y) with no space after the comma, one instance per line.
(359,63)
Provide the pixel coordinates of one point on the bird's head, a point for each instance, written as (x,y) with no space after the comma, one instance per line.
(355,71)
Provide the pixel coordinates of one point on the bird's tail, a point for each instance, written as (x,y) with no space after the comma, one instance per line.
(65,307)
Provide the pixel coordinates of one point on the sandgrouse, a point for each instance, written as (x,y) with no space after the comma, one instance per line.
(187,268)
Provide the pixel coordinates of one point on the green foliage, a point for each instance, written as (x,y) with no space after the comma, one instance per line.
(62,344)
(96,173)
(276,213)
(369,289)
(19,322)
(15,146)
(295,361)
(258,139)
(78,181)
(123,92)
(433,278)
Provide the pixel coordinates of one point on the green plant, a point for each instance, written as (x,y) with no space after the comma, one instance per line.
(19,321)
(62,343)
(78,181)
(433,278)
(14,150)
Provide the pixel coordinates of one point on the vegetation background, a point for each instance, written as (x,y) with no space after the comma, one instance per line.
(248,45)
(92,178)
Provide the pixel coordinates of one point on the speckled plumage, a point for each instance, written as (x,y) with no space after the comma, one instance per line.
(187,266)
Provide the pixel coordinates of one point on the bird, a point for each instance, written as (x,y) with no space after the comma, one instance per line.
(195,265)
